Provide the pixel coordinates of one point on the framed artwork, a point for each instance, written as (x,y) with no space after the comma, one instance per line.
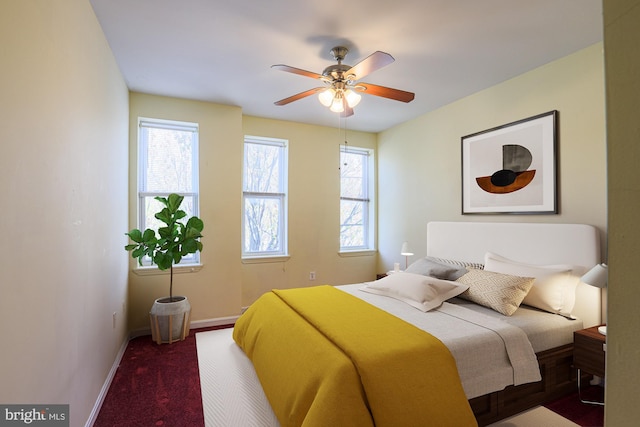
(511,169)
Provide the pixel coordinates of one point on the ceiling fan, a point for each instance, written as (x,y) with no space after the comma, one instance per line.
(342,89)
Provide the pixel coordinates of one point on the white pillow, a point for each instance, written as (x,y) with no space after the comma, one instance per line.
(554,289)
(422,292)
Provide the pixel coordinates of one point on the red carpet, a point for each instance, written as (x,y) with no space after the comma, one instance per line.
(155,385)
(583,414)
(159,385)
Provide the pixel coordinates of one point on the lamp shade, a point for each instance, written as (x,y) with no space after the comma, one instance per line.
(326,97)
(337,105)
(406,251)
(352,98)
(597,276)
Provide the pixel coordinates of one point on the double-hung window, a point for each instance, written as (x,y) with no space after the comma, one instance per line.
(356,207)
(167,163)
(264,198)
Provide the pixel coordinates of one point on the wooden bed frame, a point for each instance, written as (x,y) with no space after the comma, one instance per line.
(558,380)
(575,244)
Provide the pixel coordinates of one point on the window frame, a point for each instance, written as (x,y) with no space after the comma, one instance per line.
(282,195)
(190,260)
(369,218)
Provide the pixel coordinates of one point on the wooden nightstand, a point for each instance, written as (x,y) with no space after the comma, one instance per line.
(589,349)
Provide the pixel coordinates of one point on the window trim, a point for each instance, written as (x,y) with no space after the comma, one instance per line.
(282,195)
(190,263)
(369,199)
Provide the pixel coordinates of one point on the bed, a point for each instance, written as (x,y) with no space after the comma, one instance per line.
(492,395)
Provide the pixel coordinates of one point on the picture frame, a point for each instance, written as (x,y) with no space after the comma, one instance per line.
(511,169)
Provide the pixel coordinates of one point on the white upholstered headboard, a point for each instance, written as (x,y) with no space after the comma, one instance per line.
(534,243)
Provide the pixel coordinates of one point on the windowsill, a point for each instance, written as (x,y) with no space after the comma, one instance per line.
(152,270)
(265,259)
(363,252)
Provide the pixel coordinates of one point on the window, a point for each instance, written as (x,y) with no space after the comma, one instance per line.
(167,163)
(264,201)
(356,207)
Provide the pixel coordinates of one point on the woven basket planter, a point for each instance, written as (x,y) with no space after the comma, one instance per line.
(170,319)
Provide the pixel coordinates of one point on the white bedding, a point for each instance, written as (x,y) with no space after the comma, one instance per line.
(492,351)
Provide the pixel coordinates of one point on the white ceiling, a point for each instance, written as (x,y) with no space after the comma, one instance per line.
(221,51)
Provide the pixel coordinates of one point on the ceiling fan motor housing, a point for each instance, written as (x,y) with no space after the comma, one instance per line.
(337,71)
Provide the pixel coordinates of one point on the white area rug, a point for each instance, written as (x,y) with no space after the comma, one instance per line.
(536,417)
(232,395)
(231,392)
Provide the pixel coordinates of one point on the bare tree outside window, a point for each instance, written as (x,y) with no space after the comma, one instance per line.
(168,163)
(354,199)
(264,196)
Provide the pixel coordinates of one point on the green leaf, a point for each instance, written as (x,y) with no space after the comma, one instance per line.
(148,236)
(161,200)
(129,247)
(165,232)
(135,235)
(138,252)
(179,215)
(163,260)
(165,216)
(192,233)
(195,222)
(174,201)
(189,247)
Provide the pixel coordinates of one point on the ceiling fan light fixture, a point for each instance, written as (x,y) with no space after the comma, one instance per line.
(353,98)
(337,106)
(326,97)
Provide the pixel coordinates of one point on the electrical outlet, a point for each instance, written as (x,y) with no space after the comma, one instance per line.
(312,275)
(114,319)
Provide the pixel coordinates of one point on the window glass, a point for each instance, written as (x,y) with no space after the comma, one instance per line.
(264,223)
(356,211)
(167,163)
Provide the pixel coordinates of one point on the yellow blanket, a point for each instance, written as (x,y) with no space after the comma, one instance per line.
(327,359)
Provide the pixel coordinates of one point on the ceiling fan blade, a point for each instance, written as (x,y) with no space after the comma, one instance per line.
(300,95)
(371,63)
(298,71)
(386,92)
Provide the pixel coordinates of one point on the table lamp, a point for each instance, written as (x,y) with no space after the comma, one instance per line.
(597,277)
(406,253)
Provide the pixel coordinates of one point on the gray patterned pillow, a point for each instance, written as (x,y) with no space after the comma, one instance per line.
(464,264)
(427,266)
(500,292)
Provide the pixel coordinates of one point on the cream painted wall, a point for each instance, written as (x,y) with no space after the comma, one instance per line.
(419,162)
(214,290)
(314,219)
(64,142)
(622,57)
(225,284)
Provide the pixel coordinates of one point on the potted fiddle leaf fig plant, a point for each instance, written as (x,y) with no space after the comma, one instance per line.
(169,315)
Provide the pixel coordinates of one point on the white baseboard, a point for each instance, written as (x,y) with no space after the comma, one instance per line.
(105,387)
(198,324)
(219,321)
